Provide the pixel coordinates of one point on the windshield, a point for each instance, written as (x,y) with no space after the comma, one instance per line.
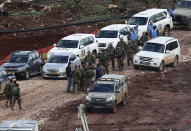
(67,44)
(58,59)
(137,20)
(107,34)
(153,47)
(183,4)
(18,59)
(106,88)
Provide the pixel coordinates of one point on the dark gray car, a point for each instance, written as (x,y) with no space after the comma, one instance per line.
(183,13)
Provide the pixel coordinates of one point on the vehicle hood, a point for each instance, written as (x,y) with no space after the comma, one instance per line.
(100,95)
(107,40)
(8,65)
(55,65)
(150,54)
(182,11)
(61,50)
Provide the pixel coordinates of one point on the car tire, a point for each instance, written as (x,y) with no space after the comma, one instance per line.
(27,75)
(40,70)
(166,31)
(114,109)
(189,25)
(124,102)
(175,63)
(161,67)
(136,67)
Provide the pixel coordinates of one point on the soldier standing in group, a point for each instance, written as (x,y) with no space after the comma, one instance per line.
(90,58)
(89,74)
(8,93)
(122,44)
(104,60)
(129,52)
(120,57)
(111,53)
(143,39)
(76,78)
(82,80)
(16,95)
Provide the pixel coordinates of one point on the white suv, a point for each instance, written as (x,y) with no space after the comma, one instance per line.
(111,34)
(158,52)
(78,44)
(160,17)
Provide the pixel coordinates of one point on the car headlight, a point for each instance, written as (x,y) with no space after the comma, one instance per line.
(88,98)
(109,99)
(21,68)
(44,69)
(136,57)
(49,54)
(62,70)
(155,59)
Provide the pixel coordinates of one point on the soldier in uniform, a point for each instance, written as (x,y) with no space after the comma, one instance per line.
(120,57)
(16,95)
(82,80)
(129,52)
(90,58)
(111,53)
(76,78)
(143,39)
(122,44)
(104,60)
(88,74)
(8,93)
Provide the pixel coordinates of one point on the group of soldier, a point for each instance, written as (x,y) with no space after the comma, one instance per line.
(12,93)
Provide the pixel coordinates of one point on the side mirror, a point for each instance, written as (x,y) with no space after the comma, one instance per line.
(82,46)
(126,22)
(167,51)
(54,44)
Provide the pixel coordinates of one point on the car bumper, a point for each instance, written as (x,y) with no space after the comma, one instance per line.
(54,75)
(146,63)
(18,74)
(97,105)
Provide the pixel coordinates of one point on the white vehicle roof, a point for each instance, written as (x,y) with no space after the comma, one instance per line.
(113,76)
(62,53)
(149,12)
(162,40)
(115,27)
(77,36)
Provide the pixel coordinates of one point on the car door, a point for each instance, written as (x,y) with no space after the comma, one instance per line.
(119,92)
(168,55)
(87,42)
(174,51)
(161,21)
(82,49)
(92,44)
(72,60)
(31,64)
(4,80)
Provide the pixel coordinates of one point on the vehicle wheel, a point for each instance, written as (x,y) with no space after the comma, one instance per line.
(189,25)
(166,31)
(175,63)
(136,67)
(40,70)
(88,109)
(27,75)
(114,109)
(124,102)
(161,67)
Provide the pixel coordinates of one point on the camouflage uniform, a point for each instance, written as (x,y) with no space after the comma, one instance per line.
(16,95)
(111,53)
(89,74)
(8,93)
(104,60)
(90,59)
(143,39)
(104,71)
(82,80)
(120,57)
(76,79)
(122,44)
(129,52)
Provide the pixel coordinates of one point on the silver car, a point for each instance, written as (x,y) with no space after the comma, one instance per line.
(55,66)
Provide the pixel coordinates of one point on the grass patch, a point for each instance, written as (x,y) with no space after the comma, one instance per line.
(26,13)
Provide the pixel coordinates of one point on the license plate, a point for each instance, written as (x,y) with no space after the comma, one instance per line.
(98,107)
(145,63)
(53,73)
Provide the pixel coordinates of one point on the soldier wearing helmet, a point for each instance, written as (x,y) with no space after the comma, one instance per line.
(111,53)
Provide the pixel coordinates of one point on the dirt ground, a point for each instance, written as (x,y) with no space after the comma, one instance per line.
(156,100)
